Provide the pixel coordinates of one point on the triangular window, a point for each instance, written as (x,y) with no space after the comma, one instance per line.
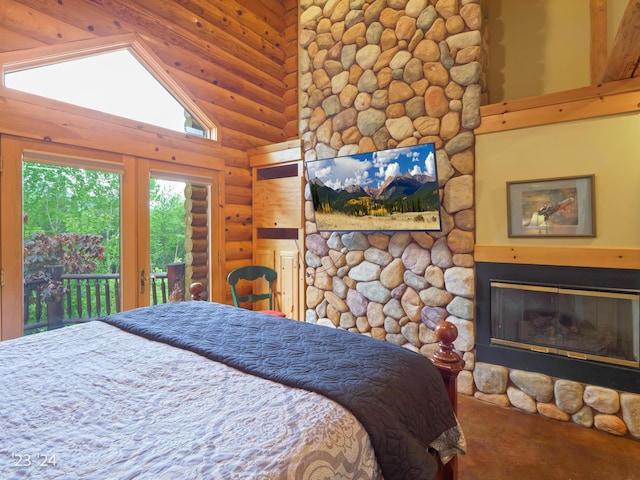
(119,81)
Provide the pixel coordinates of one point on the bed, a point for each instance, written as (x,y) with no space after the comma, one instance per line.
(199,390)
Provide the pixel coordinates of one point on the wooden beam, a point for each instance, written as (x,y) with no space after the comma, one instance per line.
(237,176)
(216,74)
(583,93)
(13,41)
(245,26)
(39,26)
(624,258)
(211,96)
(269,12)
(85,16)
(211,25)
(564,112)
(625,54)
(244,141)
(588,102)
(598,13)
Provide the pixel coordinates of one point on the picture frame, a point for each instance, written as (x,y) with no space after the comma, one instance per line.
(553,207)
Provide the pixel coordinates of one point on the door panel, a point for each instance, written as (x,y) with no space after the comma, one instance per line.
(72,241)
(52,172)
(284,257)
(11,245)
(288,270)
(198,190)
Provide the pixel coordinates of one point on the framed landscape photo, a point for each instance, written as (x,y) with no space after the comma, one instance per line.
(555,207)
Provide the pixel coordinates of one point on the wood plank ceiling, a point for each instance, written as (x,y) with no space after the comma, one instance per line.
(238,58)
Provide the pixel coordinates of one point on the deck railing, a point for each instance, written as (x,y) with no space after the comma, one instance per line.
(89,296)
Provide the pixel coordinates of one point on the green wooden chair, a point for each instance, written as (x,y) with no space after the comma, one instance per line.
(250,273)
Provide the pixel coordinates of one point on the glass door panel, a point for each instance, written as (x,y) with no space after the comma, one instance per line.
(178,244)
(166,241)
(61,232)
(71,242)
(82,245)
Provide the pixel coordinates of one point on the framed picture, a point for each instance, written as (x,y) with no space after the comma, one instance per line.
(555,207)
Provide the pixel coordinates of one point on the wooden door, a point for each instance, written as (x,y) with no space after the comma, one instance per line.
(278,233)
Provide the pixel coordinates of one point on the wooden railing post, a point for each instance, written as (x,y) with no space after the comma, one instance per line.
(175,280)
(55,303)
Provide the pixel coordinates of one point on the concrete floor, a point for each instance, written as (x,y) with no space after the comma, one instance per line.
(510,444)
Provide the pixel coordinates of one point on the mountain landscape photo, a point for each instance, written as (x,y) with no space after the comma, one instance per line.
(387,190)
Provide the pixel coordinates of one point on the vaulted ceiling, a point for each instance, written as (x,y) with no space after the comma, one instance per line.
(238,58)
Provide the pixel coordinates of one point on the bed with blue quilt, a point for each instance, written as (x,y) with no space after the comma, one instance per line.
(199,390)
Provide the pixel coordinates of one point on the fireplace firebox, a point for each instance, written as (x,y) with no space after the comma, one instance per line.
(577,323)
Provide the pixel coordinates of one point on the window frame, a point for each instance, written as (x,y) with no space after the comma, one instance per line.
(51,54)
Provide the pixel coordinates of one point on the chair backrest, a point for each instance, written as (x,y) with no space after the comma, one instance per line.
(250,273)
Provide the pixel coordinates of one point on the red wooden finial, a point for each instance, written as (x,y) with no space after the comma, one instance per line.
(446,333)
(196,289)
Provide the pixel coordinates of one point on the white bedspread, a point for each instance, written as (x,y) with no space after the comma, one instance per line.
(94,402)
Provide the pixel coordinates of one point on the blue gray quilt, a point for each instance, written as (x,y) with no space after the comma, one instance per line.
(397,395)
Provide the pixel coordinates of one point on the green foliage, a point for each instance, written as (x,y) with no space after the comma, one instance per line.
(58,199)
(72,218)
(167,224)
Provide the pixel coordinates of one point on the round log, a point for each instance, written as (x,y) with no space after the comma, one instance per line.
(196,232)
(196,206)
(196,245)
(197,258)
(197,219)
(195,192)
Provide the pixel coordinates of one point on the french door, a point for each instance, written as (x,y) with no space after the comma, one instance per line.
(76,197)
(193,239)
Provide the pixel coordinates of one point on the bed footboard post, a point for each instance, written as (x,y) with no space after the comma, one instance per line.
(196,289)
(449,364)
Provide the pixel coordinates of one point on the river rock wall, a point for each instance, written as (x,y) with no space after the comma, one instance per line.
(376,75)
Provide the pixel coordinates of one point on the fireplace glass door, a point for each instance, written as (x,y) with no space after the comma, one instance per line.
(602,326)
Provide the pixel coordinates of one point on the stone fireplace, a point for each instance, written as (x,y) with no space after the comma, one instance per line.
(577,323)
(379,74)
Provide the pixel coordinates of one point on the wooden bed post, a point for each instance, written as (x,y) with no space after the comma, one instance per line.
(195,289)
(450,364)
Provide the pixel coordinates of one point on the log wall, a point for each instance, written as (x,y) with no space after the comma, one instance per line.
(237,58)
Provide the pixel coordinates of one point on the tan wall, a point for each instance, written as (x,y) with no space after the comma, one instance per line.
(597,146)
(542,46)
